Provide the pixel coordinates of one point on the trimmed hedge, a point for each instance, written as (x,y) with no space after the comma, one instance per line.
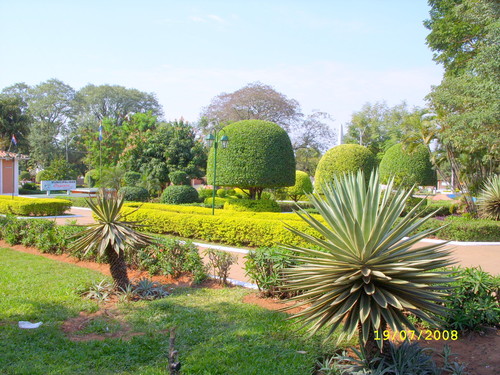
(408,169)
(178,194)
(465,229)
(261,205)
(33,206)
(303,185)
(229,229)
(219,202)
(343,159)
(134,193)
(259,155)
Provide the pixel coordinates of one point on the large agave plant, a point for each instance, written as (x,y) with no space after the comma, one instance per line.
(368,271)
(111,236)
(489,199)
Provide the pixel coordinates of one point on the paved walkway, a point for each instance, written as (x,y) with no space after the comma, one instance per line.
(467,254)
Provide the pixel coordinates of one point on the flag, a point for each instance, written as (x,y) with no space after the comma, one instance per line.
(100,132)
(14,140)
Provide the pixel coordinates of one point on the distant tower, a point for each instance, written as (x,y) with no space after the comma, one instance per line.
(341,135)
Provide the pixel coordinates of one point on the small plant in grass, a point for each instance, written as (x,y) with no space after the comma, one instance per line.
(100,291)
(368,274)
(220,262)
(264,266)
(489,199)
(111,236)
(147,289)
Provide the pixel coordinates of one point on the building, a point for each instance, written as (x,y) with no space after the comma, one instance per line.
(9,172)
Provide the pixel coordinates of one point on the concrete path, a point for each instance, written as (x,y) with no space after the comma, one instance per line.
(467,254)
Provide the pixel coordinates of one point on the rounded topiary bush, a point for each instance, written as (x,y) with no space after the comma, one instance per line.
(178,178)
(408,168)
(91,178)
(343,159)
(303,185)
(259,155)
(131,178)
(261,205)
(178,194)
(134,193)
(24,175)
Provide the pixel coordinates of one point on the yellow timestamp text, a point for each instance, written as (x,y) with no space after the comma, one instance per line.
(425,334)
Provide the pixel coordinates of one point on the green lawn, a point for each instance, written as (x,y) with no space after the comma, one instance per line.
(216,332)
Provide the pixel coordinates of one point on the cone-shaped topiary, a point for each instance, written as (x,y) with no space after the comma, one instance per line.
(303,186)
(259,155)
(369,271)
(408,167)
(340,160)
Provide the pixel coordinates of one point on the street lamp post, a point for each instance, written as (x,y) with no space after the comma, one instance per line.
(213,139)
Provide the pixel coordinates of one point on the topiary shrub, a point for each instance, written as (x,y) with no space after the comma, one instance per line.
(219,202)
(303,185)
(259,155)
(262,205)
(178,178)
(343,159)
(177,194)
(134,194)
(91,178)
(221,193)
(408,168)
(24,175)
(131,178)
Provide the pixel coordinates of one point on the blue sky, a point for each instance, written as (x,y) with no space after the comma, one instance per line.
(331,56)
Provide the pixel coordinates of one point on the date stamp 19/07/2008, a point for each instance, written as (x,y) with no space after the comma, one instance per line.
(425,334)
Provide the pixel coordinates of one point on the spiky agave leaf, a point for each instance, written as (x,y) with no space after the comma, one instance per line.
(369,270)
(489,199)
(110,228)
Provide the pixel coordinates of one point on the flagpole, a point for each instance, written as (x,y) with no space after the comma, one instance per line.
(100,152)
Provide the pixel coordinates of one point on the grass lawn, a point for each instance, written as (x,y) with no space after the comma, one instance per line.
(216,332)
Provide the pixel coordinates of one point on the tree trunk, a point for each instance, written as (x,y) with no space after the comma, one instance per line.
(118,268)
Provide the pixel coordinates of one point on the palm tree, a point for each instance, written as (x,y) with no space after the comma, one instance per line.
(368,272)
(111,236)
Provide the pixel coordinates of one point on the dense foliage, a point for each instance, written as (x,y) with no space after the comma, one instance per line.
(259,155)
(134,193)
(33,207)
(261,205)
(408,167)
(178,194)
(303,186)
(343,159)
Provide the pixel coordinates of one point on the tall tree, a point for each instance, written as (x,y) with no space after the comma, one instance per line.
(255,101)
(13,122)
(465,37)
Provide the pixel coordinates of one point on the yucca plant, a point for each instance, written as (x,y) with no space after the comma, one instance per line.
(489,199)
(111,236)
(368,272)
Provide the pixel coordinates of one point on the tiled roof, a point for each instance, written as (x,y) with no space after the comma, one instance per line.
(12,155)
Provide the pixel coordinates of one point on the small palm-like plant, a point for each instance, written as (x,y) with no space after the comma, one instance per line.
(368,271)
(489,199)
(111,236)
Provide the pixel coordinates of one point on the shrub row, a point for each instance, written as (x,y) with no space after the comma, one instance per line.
(252,229)
(33,206)
(248,205)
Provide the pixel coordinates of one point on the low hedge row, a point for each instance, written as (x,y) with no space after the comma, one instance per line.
(249,230)
(248,205)
(33,206)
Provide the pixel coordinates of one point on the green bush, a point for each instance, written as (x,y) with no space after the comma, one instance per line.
(134,193)
(442,208)
(303,186)
(220,262)
(219,202)
(264,266)
(24,175)
(473,302)
(179,178)
(33,206)
(262,205)
(131,178)
(173,258)
(408,168)
(205,193)
(259,155)
(29,186)
(466,229)
(91,178)
(179,194)
(222,193)
(343,159)
(292,206)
